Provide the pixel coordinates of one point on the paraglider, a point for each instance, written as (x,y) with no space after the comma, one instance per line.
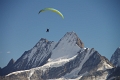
(47,30)
(53,10)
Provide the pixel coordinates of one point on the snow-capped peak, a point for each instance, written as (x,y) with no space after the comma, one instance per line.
(78,41)
(67,46)
(42,40)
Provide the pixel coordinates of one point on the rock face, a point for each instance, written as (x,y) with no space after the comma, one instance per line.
(65,59)
(114,74)
(115,59)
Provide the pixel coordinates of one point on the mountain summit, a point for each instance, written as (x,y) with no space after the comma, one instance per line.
(67,46)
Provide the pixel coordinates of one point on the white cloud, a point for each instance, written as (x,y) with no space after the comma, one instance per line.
(8,52)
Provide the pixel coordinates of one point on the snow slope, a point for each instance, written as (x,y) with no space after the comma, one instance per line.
(66,47)
(44,47)
(45,67)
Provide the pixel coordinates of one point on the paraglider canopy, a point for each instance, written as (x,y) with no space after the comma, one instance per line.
(53,10)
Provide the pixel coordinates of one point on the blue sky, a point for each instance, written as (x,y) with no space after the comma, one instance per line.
(96,22)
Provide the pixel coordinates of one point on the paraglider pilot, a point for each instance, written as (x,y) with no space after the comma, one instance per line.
(47,30)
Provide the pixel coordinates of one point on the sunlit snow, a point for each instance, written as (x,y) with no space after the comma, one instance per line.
(66,47)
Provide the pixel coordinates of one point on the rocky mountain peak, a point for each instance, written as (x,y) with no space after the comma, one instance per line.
(11,62)
(115,59)
(80,43)
(44,40)
(41,41)
(72,36)
(67,46)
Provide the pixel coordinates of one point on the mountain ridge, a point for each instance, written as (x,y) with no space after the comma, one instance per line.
(41,52)
(32,56)
(55,69)
(67,59)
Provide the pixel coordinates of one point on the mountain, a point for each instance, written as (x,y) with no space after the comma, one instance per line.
(66,59)
(115,59)
(37,56)
(108,74)
(8,67)
(41,52)
(72,68)
(91,62)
